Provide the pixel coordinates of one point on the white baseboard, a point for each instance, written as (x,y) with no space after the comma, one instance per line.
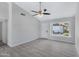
(14,45)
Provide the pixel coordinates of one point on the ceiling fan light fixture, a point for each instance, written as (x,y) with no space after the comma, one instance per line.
(40,15)
(40,12)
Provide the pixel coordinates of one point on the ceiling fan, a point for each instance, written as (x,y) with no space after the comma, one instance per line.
(40,12)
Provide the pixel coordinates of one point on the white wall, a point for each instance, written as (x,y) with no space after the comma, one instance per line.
(4,15)
(0,31)
(24,28)
(4,11)
(77,29)
(45,30)
(4,31)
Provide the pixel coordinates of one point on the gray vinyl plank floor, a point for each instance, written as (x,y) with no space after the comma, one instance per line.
(40,48)
(1,44)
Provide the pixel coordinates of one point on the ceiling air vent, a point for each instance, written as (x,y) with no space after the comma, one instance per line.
(22,14)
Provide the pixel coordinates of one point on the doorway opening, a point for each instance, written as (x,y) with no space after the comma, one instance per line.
(3,33)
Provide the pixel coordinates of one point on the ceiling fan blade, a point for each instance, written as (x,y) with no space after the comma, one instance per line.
(46,13)
(45,10)
(34,14)
(34,11)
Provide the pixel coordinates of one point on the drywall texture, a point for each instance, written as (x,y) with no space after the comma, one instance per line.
(45,30)
(24,28)
(77,29)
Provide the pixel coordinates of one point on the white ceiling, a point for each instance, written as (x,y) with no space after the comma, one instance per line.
(4,10)
(57,9)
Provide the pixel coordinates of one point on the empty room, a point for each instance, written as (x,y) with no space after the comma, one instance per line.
(39,29)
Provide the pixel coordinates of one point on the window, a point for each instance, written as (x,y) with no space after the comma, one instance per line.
(60,29)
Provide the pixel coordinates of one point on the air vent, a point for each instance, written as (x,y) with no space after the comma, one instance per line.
(22,14)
